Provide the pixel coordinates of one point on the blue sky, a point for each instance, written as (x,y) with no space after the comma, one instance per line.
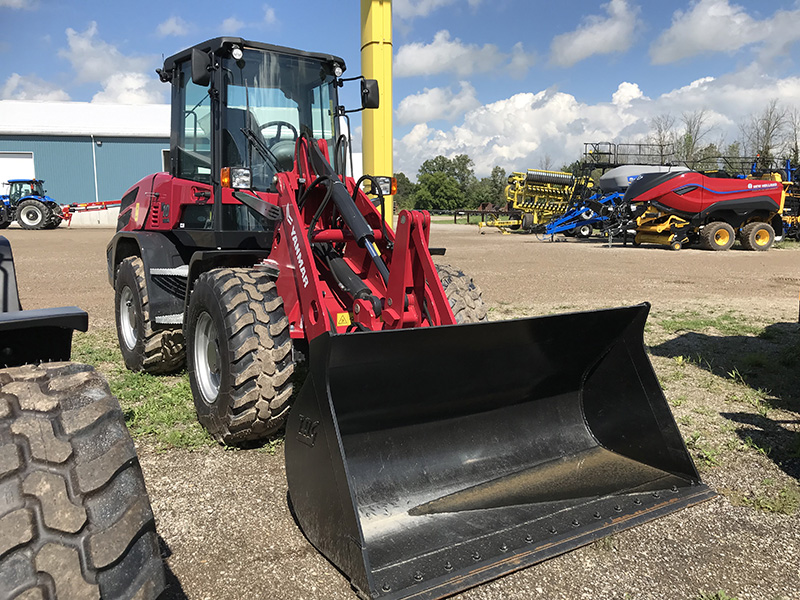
(509,82)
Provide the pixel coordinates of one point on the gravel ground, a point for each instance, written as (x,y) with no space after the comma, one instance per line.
(223,514)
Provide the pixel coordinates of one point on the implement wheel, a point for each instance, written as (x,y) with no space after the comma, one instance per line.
(584,231)
(143,348)
(32,214)
(757,236)
(75,519)
(717,236)
(239,354)
(464,296)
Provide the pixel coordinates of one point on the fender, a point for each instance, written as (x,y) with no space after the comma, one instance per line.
(167,289)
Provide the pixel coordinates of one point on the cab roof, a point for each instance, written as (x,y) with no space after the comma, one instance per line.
(215,45)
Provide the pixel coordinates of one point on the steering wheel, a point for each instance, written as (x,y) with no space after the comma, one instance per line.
(283,150)
(280,125)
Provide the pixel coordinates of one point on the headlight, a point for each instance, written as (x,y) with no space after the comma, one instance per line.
(238,178)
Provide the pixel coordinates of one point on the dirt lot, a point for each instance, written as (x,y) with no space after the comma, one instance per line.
(724,343)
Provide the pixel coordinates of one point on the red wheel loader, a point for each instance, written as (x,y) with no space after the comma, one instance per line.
(412,472)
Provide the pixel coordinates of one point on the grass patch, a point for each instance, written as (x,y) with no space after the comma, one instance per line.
(728,323)
(158,409)
(718,595)
(784,501)
(787,244)
(703,451)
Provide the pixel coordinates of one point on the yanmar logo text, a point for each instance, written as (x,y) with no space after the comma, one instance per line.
(301,265)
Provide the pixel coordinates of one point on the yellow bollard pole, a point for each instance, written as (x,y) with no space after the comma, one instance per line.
(376,63)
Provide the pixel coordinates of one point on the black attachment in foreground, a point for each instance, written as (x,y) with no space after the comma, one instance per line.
(419,474)
(32,336)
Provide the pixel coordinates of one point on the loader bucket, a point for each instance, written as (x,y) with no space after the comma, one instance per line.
(424,461)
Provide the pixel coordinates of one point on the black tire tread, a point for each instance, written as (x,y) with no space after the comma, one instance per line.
(163,350)
(39,205)
(707,236)
(59,537)
(257,334)
(464,295)
(747,239)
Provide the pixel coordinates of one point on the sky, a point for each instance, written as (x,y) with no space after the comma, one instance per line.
(513,83)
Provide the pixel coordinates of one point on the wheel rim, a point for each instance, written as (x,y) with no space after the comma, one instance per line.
(127,318)
(722,237)
(31,216)
(761,237)
(206,358)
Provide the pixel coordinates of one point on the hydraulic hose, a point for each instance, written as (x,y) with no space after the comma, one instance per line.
(355,221)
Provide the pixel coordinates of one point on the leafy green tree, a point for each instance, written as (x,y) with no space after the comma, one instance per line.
(438,191)
(406,189)
(459,168)
(488,189)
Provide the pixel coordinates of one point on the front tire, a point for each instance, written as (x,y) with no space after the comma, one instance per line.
(143,348)
(32,214)
(75,518)
(757,236)
(465,297)
(239,355)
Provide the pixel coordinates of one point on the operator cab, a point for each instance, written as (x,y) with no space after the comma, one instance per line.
(239,108)
(21,188)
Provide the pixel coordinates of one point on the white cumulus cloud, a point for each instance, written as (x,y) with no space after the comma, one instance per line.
(613,33)
(710,26)
(409,9)
(123,78)
(437,103)
(129,88)
(173,26)
(447,55)
(32,88)
(24,4)
(231,26)
(270,18)
(516,132)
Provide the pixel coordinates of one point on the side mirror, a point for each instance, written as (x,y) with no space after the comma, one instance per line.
(370,97)
(201,67)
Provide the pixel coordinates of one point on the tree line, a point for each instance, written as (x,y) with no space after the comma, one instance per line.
(765,138)
(449,184)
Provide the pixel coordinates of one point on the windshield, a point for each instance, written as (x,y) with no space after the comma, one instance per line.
(271,100)
(20,189)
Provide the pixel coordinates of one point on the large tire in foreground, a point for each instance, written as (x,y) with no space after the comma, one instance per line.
(75,519)
(717,236)
(32,214)
(144,348)
(239,354)
(464,296)
(757,236)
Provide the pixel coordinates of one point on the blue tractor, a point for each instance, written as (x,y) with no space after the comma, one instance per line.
(27,203)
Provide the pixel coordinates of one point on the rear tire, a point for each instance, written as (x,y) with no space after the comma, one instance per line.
(75,518)
(54,219)
(143,348)
(717,236)
(757,236)
(584,231)
(239,356)
(465,297)
(32,214)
